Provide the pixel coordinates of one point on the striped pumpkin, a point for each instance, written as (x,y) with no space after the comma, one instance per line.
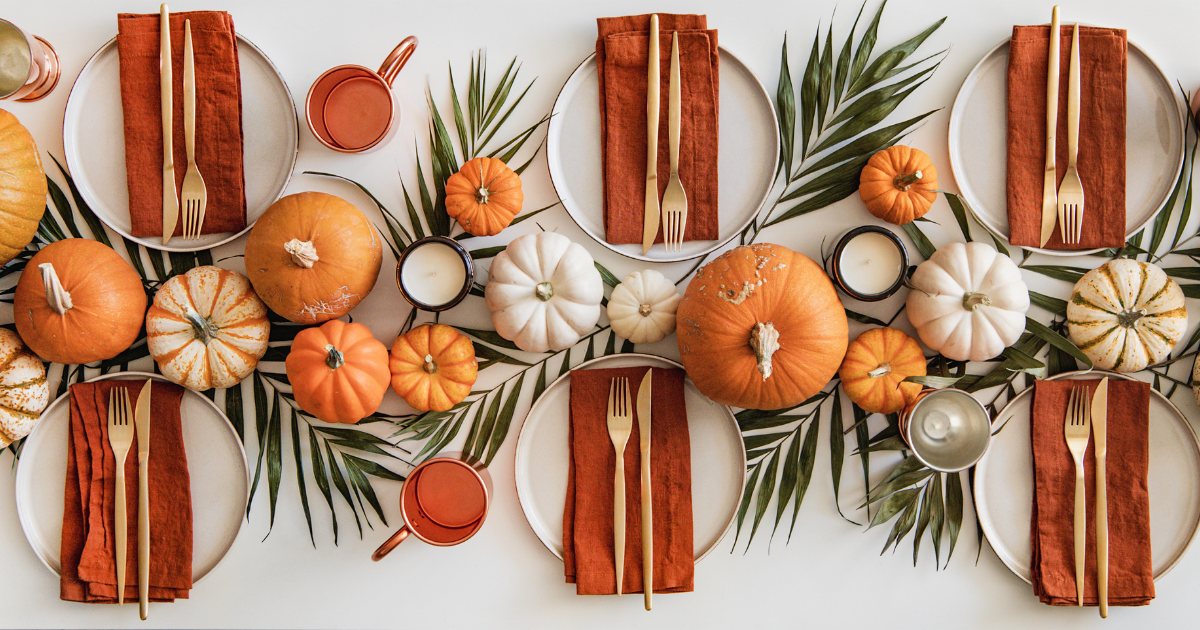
(23,389)
(207,328)
(1126,315)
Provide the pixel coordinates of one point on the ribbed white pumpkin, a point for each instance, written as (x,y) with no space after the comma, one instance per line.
(207,328)
(24,392)
(544,292)
(642,308)
(968,302)
(1125,315)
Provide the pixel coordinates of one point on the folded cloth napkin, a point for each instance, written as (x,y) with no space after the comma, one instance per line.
(1101,160)
(621,61)
(218,118)
(588,518)
(1131,573)
(88,557)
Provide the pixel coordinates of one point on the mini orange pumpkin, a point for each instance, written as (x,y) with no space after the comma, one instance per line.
(484,196)
(433,367)
(875,367)
(898,184)
(338,371)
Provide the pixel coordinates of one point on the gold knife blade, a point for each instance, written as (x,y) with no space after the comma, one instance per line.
(643,413)
(1050,180)
(650,221)
(1100,444)
(141,423)
(170,198)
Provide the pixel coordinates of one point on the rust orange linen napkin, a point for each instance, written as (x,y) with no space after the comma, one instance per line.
(621,61)
(88,541)
(1131,573)
(1101,160)
(588,518)
(218,118)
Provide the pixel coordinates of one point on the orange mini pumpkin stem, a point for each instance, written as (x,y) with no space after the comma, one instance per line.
(903,182)
(56,295)
(430,367)
(335,359)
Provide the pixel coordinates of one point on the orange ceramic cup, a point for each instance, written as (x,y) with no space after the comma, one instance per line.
(352,109)
(443,502)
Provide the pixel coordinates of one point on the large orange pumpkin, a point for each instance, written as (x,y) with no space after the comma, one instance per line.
(339,371)
(22,187)
(313,257)
(433,367)
(898,184)
(78,301)
(875,367)
(484,196)
(761,327)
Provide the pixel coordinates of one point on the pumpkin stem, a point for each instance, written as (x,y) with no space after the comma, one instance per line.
(1126,319)
(764,339)
(56,295)
(883,370)
(644,310)
(304,254)
(903,182)
(481,193)
(203,329)
(335,359)
(430,367)
(972,301)
(544,291)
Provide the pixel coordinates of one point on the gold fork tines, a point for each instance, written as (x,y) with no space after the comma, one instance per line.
(674,201)
(1077,430)
(193,194)
(120,438)
(1070,191)
(620,424)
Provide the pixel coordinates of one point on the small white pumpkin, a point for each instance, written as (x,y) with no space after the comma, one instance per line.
(968,302)
(544,292)
(642,308)
(1126,314)
(207,328)
(24,392)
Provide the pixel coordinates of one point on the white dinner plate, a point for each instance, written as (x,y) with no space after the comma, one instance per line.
(94,142)
(217,467)
(718,458)
(747,155)
(1153,142)
(1004,482)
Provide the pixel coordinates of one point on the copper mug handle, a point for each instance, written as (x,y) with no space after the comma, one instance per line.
(391,543)
(396,60)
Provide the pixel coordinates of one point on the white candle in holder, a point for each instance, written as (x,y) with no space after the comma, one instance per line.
(433,273)
(870,263)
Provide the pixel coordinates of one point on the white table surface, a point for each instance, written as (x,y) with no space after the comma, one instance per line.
(830,575)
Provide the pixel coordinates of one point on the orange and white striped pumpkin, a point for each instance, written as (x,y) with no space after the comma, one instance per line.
(23,389)
(207,328)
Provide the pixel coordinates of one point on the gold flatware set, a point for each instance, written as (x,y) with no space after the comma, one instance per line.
(1087,419)
(620,425)
(194,193)
(121,429)
(1066,202)
(674,203)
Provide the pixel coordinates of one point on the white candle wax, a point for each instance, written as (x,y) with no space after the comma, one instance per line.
(870,263)
(433,274)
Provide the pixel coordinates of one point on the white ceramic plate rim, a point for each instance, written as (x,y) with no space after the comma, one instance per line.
(557,179)
(73,160)
(968,193)
(654,361)
(984,514)
(28,527)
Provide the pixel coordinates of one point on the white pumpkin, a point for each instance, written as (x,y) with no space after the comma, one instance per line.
(24,392)
(207,328)
(1125,315)
(642,308)
(968,302)
(544,292)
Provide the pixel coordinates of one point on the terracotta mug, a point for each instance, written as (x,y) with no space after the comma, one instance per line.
(30,69)
(444,501)
(352,109)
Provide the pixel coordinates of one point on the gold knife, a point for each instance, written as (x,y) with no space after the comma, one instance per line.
(643,414)
(170,199)
(650,222)
(1050,181)
(1100,442)
(141,423)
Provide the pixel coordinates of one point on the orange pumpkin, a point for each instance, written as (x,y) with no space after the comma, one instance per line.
(761,327)
(484,196)
(339,371)
(433,367)
(313,257)
(875,367)
(22,188)
(78,301)
(898,184)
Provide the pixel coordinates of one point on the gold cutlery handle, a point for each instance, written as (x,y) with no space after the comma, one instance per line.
(1080,532)
(1073,100)
(189,92)
(619,520)
(122,532)
(1052,80)
(165,83)
(673,104)
(647,531)
(143,537)
(1102,536)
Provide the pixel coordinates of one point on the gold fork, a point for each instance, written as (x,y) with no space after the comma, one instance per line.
(194,194)
(120,438)
(1078,430)
(1070,191)
(620,423)
(674,203)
